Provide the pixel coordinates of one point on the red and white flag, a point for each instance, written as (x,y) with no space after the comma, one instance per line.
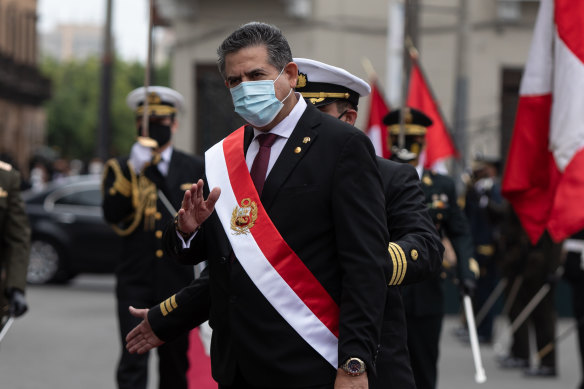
(375,127)
(544,176)
(439,145)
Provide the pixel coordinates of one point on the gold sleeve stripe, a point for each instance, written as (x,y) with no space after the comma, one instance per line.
(173,301)
(391,253)
(395,259)
(169,307)
(404,261)
(163,309)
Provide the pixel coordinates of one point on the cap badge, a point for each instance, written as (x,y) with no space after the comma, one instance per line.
(244,216)
(301,83)
(153,98)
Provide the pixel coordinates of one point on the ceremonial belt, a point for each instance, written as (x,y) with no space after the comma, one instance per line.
(272,265)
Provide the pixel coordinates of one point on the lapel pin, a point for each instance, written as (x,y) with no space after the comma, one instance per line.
(306,140)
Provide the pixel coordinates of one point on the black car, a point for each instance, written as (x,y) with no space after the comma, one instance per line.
(69,234)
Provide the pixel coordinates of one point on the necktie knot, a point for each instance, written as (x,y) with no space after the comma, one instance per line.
(266,140)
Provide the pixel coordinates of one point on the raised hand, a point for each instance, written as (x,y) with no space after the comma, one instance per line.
(195,209)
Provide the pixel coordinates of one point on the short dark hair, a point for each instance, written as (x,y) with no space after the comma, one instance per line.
(343,105)
(256,34)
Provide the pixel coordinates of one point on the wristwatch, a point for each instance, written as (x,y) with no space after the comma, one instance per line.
(354,366)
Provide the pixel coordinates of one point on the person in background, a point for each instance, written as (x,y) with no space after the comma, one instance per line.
(531,266)
(141,194)
(484,208)
(14,245)
(336,92)
(574,274)
(424,301)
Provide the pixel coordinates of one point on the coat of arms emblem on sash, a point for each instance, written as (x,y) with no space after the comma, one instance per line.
(244,216)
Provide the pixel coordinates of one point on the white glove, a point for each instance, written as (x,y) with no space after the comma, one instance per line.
(140,156)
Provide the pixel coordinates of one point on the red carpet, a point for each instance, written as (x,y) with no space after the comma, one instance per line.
(199,373)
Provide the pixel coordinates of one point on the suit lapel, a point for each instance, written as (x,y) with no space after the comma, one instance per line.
(293,151)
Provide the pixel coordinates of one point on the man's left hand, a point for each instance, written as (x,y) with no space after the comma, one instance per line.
(345,381)
(141,339)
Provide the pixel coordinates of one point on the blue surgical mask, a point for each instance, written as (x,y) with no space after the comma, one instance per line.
(256,101)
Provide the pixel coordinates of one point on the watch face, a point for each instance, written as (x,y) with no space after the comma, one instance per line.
(355,366)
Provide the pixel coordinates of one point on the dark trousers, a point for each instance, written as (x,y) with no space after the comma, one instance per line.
(485,286)
(578,305)
(541,262)
(132,371)
(423,344)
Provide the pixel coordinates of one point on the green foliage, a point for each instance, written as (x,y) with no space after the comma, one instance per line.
(72,111)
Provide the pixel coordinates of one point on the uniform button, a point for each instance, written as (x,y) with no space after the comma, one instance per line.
(158,234)
(439,216)
(232,299)
(414,254)
(158,216)
(159,253)
(222,260)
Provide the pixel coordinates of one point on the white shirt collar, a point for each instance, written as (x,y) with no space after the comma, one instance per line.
(164,163)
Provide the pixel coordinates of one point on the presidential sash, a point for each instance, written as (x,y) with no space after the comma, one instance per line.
(274,268)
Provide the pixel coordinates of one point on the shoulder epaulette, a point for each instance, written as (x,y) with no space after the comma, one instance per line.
(121,184)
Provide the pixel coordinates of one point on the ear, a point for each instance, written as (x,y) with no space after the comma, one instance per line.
(291,71)
(350,116)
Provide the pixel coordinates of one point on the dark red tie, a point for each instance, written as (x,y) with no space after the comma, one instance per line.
(260,162)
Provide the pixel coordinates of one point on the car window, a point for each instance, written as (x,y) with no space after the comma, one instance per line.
(91,197)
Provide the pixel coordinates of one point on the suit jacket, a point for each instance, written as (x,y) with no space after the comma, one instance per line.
(412,230)
(143,271)
(327,204)
(14,232)
(426,298)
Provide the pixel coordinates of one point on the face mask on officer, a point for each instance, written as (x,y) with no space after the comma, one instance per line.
(158,131)
(256,101)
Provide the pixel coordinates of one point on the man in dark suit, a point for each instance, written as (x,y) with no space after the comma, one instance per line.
(298,264)
(14,245)
(423,301)
(414,243)
(141,193)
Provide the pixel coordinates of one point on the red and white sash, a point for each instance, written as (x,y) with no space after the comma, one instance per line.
(275,269)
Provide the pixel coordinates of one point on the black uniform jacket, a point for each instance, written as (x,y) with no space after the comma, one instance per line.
(14,232)
(426,298)
(327,203)
(416,247)
(143,271)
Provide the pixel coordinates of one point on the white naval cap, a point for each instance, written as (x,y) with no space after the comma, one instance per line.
(321,83)
(162,101)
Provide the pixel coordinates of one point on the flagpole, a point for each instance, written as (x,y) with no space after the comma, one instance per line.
(144,138)
(461,91)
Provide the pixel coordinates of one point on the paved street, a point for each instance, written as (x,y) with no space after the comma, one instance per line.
(69,340)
